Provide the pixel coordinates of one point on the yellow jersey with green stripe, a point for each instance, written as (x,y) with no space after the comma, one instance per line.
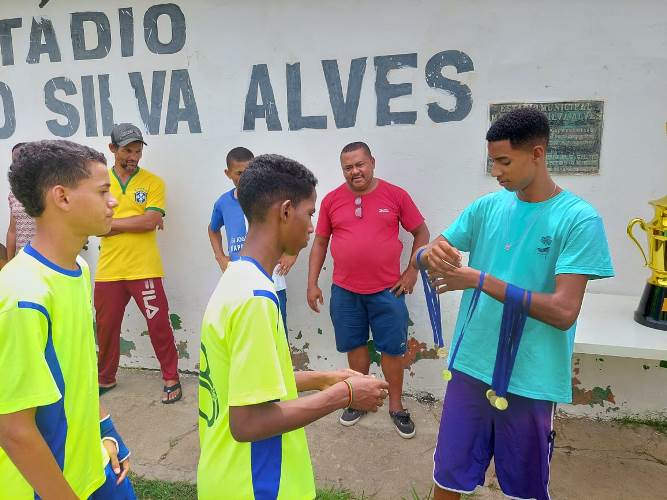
(133,256)
(245,360)
(48,362)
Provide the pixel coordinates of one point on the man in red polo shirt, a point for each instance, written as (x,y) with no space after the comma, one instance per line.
(362,217)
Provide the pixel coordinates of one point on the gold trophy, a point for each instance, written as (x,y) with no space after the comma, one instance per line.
(652,310)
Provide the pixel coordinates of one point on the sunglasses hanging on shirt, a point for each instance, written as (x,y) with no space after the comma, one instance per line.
(358,212)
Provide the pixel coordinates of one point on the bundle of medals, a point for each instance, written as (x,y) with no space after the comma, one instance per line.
(515,313)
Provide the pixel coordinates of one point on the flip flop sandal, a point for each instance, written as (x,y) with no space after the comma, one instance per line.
(107,388)
(169,390)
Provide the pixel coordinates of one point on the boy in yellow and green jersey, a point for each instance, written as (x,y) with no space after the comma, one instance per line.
(253,445)
(50,428)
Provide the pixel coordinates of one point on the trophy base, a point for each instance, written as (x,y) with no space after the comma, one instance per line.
(652,310)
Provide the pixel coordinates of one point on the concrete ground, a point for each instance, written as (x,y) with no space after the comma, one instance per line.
(592,460)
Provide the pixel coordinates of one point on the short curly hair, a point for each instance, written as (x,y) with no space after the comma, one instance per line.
(522,126)
(40,165)
(238,154)
(271,178)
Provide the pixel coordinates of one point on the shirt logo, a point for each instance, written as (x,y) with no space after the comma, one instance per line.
(206,383)
(545,247)
(383,211)
(140,196)
(149,294)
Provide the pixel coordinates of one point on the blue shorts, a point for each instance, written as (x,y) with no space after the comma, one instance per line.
(520,439)
(352,314)
(112,491)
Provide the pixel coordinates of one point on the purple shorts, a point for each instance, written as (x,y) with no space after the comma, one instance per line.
(520,439)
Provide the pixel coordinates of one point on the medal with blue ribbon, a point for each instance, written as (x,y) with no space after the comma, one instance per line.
(433,305)
(515,313)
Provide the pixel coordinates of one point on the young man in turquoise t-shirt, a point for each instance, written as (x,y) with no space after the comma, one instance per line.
(541,238)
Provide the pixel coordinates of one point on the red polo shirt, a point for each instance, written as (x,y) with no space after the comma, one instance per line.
(366,250)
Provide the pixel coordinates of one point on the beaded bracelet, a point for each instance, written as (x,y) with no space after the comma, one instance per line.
(350,392)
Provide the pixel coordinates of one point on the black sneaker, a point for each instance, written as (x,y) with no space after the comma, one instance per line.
(350,416)
(403,423)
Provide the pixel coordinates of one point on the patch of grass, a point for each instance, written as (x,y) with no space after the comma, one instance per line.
(337,494)
(149,489)
(658,424)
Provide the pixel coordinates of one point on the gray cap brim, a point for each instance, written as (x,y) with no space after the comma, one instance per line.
(130,141)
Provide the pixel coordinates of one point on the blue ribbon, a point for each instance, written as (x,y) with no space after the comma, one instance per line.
(471,310)
(433,305)
(515,313)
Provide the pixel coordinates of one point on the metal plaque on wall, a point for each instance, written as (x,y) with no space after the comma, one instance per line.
(576,133)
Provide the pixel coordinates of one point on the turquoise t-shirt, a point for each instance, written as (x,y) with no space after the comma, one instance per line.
(526,244)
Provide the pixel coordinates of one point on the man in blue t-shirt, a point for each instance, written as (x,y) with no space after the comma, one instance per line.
(227,212)
(538,237)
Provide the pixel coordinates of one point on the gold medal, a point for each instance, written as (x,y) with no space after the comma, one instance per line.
(442,352)
(501,403)
(490,393)
(446,375)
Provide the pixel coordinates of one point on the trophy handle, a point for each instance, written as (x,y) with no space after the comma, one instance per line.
(631,226)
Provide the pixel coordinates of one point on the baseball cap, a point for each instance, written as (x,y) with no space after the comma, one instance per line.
(123,134)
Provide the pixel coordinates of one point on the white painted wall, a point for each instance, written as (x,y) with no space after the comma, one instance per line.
(522,51)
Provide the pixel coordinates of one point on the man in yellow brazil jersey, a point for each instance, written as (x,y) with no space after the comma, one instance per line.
(130,265)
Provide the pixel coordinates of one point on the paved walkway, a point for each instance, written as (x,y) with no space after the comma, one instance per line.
(593,460)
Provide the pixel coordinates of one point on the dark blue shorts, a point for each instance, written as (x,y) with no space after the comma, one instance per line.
(520,439)
(112,491)
(353,314)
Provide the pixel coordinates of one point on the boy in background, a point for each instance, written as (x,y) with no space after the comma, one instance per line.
(227,212)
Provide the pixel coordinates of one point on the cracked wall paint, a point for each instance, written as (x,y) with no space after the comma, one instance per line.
(592,397)
(300,359)
(417,351)
(176,322)
(595,396)
(616,387)
(182,348)
(126,347)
